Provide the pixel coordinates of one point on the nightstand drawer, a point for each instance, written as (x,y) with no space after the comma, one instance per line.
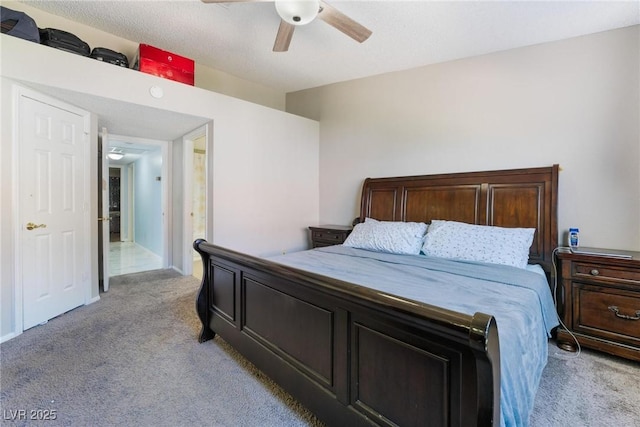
(601,272)
(600,301)
(608,313)
(330,236)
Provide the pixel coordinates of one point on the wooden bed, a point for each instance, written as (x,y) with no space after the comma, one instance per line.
(355,356)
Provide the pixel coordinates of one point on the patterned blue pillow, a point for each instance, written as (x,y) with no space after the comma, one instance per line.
(388,236)
(496,245)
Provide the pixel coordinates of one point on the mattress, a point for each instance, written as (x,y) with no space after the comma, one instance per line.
(519,299)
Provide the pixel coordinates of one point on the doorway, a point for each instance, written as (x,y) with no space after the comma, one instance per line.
(138,237)
(114,204)
(197,149)
(199,198)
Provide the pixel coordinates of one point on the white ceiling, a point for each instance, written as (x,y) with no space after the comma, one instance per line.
(237,38)
(131,151)
(123,118)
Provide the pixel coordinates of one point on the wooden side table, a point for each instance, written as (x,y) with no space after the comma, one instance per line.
(328,235)
(600,301)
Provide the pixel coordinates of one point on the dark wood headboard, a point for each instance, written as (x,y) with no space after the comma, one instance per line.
(507,198)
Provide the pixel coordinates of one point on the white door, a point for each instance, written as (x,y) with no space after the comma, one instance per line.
(104,226)
(54,254)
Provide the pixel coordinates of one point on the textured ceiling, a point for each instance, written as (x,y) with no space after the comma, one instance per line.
(237,38)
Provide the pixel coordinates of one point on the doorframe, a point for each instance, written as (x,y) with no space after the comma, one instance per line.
(131,173)
(121,168)
(103,213)
(187,191)
(20,92)
(166,171)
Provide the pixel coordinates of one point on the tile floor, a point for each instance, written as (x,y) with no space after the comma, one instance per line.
(197,268)
(129,257)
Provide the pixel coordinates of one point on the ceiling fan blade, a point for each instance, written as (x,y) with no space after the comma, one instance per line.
(342,22)
(283,38)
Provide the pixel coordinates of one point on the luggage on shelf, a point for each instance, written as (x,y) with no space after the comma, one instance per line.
(111,56)
(18,24)
(63,40)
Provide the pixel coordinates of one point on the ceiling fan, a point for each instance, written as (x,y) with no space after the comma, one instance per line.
(301,12)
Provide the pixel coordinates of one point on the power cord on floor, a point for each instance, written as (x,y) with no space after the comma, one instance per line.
(555,302)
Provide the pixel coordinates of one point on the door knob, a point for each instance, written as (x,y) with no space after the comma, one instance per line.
(106,218)
(31,226)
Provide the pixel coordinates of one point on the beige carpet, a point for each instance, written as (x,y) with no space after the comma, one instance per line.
(133,358)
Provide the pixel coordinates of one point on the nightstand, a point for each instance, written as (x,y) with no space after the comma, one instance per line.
(328,235)
(600,301)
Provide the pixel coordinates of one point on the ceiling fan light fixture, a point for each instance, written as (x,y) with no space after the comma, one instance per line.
(298,12)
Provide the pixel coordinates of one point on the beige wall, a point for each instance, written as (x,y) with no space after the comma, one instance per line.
(573,102)
(205,77)
(265,161)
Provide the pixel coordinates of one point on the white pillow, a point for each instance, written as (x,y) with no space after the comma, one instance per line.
(496,245)
(388,236)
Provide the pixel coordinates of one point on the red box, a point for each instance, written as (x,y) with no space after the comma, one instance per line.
(161,63)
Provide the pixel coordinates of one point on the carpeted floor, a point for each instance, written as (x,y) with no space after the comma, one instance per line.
(592,389)
(133,359)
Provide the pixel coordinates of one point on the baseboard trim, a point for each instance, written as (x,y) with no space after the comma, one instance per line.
(7,337)
(92,300)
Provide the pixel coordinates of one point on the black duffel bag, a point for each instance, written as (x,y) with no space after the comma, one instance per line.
(64,40)
(111,56)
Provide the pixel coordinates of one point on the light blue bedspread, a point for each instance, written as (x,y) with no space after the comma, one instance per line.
(520,301)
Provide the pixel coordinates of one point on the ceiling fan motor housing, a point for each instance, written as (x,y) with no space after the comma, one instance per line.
(294,13)
(298,12)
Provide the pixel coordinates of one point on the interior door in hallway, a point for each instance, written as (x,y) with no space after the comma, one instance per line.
(53,209)
(103,207)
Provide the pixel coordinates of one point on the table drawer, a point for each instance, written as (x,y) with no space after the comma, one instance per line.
(607,312)
(602,272)
(330,236)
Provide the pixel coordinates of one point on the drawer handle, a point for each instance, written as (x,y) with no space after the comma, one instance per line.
(624,316)
(594,272)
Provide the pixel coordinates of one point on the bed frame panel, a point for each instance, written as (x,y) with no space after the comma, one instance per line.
(355,356)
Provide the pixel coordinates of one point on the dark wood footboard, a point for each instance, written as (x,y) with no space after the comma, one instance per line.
(351,355)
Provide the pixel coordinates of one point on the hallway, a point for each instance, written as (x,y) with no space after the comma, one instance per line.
(129,257)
